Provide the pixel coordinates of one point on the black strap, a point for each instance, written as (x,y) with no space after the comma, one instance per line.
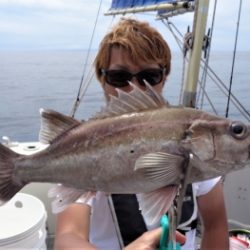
(192,225)
(188,204)
(129,217)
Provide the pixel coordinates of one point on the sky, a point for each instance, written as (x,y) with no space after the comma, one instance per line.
(69,24)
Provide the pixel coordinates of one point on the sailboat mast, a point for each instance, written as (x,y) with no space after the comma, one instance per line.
(192,74)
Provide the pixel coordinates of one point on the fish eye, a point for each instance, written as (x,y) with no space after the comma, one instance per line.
(238,130)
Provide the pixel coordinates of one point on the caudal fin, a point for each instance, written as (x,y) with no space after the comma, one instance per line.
(8,187)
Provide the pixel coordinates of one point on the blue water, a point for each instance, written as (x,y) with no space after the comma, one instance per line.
(30,80)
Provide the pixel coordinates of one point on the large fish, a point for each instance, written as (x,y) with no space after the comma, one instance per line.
(138,144)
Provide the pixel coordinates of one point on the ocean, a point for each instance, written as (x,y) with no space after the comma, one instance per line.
(30,80)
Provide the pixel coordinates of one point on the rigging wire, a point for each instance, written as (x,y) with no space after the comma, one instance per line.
(224,89)
(180,45)
(204,75)
(90,77)
(234,54)
(207,97)
(210,73)
(77,101)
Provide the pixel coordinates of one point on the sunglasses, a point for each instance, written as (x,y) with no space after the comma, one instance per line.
(120,78)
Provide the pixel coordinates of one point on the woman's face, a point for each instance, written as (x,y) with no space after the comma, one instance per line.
(120,60)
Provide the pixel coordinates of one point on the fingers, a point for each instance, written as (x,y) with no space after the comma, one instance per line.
(155,235)
(181,238)
(151,239)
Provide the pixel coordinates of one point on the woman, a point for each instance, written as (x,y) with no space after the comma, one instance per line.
(134,51)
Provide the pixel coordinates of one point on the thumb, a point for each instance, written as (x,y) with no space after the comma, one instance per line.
(154,236)
(181,238)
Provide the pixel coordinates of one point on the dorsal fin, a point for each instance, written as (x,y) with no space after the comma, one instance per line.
(54,123)
(135,101)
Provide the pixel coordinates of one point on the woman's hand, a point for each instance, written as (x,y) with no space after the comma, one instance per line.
(150,240)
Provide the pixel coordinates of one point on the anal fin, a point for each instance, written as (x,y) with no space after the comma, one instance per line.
(154,204)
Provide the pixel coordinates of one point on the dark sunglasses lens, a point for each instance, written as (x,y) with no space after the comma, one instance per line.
(152,76)
(118,78)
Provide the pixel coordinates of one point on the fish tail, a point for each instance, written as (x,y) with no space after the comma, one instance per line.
(8,187)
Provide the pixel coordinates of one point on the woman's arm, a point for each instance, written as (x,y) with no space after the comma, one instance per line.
(213,213)
(72,229)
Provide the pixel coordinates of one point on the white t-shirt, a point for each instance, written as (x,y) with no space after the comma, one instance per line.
(102,229)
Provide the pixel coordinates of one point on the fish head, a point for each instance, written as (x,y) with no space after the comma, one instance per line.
(220,144)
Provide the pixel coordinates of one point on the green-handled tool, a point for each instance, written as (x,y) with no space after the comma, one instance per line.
(166,243)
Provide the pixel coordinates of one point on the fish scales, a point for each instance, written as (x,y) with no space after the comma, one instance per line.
(88,149)
(108,148)
(146,151)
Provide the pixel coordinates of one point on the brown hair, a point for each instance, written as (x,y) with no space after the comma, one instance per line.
(142,41)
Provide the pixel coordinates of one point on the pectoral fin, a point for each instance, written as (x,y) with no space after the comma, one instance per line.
(154,204)
(164,168)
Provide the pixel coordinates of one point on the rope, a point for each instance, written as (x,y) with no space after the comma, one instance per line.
(168,25)
(232,72)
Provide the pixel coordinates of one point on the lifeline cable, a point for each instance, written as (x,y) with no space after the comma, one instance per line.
(232,72)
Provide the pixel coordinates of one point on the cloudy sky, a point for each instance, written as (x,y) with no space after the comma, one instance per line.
(68,24)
